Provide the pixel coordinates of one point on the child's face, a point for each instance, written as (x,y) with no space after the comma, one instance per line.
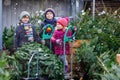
(49,15)
(25,19)
(59,26)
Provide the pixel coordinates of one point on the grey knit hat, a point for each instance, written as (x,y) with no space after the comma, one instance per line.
(49,10)
(24,13)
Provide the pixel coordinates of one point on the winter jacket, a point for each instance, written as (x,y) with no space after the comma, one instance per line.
(20,37)
(53,22)
(59,49)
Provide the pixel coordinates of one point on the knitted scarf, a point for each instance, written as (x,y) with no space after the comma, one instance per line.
(52,22)
(28,31)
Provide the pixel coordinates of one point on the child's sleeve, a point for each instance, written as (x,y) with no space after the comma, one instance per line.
(69,33)
(53,38)
(41,30)
(16,38)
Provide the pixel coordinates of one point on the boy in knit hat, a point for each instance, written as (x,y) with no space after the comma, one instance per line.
(49,19)
(25,32)
(57,40)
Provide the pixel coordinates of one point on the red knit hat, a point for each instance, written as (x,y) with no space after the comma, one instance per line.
(63,21)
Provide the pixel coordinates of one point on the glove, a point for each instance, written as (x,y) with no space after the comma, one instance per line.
(59,41)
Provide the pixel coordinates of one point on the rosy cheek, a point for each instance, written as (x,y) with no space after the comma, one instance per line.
(58,27)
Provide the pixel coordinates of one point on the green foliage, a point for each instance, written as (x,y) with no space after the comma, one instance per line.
(85,26)
(92,65)
(107,23)
(86,58)
(111,70)
(96,58)
(36,19)
(49,63)
(14,67)
(114,73)
(4,74)
(8,35)
(105,27)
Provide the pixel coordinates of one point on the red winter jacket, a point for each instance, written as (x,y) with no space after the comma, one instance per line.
(59,49)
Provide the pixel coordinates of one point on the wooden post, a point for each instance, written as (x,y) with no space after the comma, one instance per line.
(0,24)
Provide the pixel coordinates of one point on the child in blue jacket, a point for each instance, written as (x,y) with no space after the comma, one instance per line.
(49,19)
(25,31)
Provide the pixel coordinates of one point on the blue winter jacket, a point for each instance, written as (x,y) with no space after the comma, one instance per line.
(53,22)
(20,38)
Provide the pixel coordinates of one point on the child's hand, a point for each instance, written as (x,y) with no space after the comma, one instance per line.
(75,28)
(59,41)
(64,29)
(42,41)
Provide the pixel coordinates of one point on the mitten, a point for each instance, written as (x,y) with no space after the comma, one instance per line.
(59,41)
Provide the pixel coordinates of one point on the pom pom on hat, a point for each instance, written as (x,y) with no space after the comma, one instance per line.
(63,21)
(24,13)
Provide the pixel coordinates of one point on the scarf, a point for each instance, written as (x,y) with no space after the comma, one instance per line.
(52,22)
(28,31)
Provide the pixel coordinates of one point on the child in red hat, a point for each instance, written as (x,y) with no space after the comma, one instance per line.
(57,40)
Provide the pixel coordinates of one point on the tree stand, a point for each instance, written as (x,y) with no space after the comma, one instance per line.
(69,39)
(36,74)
